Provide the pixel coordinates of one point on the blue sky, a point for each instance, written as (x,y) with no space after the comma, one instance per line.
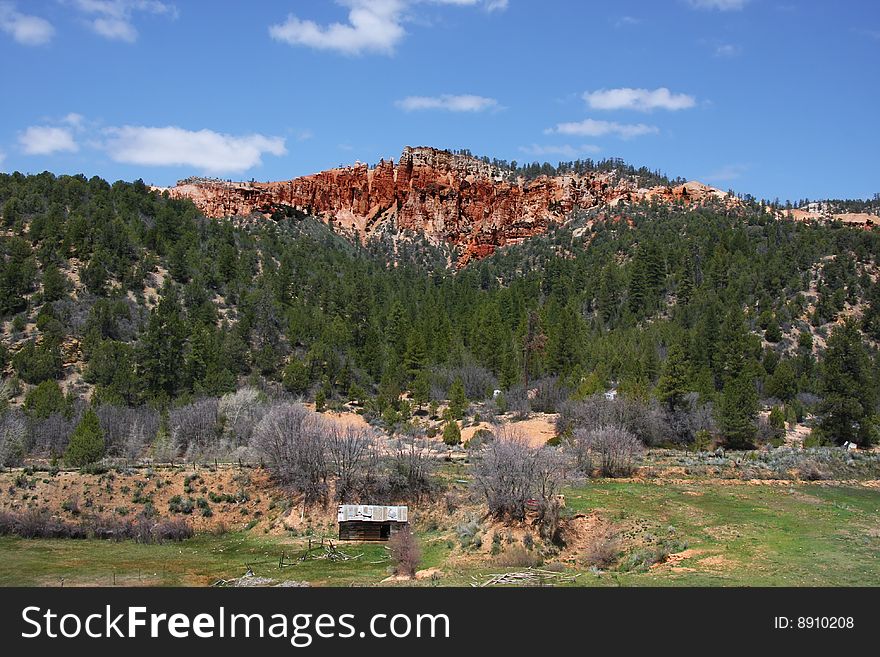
(777,98)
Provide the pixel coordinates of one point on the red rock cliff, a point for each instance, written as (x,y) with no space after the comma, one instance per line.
(450,198)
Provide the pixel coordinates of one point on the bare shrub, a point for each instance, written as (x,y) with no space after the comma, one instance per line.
(175,529)
(349,453)
(510,473)
(411,468)
(547,395)
(518,403)
(614,449)
(603,550)
(241,411)
(810,470)
(647,421)
(579,447)
(292,439)
(683,424)
(518,556)
(51,435)
(195,428)
(13,439)
(139,435)
(127,431)
(40,524)
(405,552)
(478,382)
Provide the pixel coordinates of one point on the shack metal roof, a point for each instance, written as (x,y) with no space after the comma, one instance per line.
(372,513)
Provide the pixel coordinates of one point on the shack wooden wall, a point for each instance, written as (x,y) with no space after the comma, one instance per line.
(358,530)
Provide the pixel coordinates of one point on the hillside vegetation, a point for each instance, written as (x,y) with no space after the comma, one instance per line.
(667,355)
(117,297)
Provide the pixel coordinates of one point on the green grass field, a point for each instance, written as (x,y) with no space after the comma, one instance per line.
(751,535)
(735,535)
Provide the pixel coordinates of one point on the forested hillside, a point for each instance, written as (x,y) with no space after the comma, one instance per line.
(129,307)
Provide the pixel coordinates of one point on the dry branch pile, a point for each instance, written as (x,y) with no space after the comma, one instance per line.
(528,577)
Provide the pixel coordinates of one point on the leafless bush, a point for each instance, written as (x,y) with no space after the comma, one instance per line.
(292,440)
(646,421)
(37,524)
(349,451)
(405,552)
(241,411)
(13,439)
(547,395)
(614,448)
(579,447)
(683,424)
(40,524)
(127,431)
(410,469)
(478,382)
(518,556)
(195,428)
(509,473)
(51,434)
(176,529)
(517,399)
(603,550)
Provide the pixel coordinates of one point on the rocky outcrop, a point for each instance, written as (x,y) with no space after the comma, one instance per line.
(449,198)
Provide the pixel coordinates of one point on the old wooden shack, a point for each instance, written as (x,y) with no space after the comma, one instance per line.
(370,522)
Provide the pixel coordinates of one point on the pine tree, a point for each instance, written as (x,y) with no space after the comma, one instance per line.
(458,401)
(637,292)
(731,357)
(738,411)
(451,433)
(673,385)
(563,341)
(847,386)
(161,350)
(54,283)
(87,441)
(782,384)
(46,399)
(415,359)
(686,282)
(871,317)
(421,389)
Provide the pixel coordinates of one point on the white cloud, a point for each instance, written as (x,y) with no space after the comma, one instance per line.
(374,26)
(643,100)
(74,120)
(727,50)
(206,150)
(563,150)
(594,128)
(46,140)
(2,160)
(623,21)
(488,5)
(113,19)
(447,102)
(720,5)
(25,29)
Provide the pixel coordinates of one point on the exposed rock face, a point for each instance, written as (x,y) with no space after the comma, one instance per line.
(450,198)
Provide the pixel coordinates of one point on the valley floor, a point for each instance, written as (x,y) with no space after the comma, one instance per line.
(706,533)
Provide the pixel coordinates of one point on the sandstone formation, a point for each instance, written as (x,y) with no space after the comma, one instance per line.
(447,197)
